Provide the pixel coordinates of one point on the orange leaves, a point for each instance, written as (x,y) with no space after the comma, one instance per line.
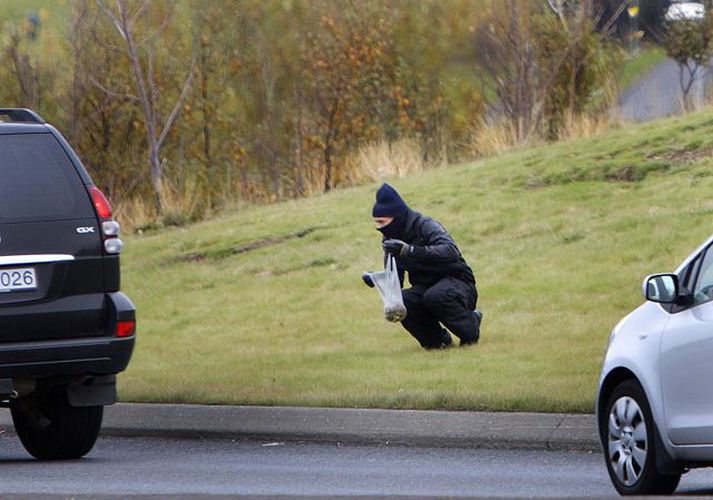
(284,92)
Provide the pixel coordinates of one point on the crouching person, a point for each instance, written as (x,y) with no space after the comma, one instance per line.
(443,292)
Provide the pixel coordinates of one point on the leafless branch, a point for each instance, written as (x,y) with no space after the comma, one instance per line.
(158,31)
(557,9)
(110,14)
(614,17)
(179,104)
(139,12)
(118,95)
(150,79)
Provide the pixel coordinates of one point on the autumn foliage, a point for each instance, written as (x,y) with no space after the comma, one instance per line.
(183,107)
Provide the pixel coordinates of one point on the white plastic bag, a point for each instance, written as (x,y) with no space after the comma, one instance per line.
(389,287)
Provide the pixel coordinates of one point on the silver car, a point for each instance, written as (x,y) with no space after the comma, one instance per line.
(655,399)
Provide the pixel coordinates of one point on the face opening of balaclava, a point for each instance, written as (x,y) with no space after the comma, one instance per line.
(390,204)
(395,229)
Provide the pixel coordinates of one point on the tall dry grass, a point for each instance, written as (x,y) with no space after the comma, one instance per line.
(582,125)
(134,213)
(492,139)
(187,202)
(489,139)
(383,160)
(191,199)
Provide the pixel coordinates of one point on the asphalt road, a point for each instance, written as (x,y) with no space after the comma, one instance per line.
(658,93)
(121,466)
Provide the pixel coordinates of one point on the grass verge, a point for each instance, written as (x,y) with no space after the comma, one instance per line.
(560,237)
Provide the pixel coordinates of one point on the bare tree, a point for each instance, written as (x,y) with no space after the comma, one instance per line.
(157,127)
(690,44)
(538,67)
(508,56)
(560,8)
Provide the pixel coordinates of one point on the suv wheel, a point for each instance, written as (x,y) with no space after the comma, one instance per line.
(629,444)
(51,429)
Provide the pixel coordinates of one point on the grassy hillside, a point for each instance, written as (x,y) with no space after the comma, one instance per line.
(18,9)
(51,14)
(241,310)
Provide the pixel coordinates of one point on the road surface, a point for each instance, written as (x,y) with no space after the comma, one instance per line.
(658,93)
(121,466)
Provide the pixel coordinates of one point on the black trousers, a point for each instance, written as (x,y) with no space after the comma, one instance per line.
(449,302)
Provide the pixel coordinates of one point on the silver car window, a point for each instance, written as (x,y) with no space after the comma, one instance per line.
(703,291)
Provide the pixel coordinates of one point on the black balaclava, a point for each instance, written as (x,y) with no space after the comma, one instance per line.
(390,204)
(395,229)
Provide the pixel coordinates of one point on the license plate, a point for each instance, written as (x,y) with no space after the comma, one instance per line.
(12,280)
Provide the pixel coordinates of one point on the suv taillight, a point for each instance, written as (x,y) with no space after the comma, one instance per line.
(101,204)
(110,229)
(125,328)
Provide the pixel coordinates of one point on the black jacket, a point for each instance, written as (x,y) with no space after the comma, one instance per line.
(434,255)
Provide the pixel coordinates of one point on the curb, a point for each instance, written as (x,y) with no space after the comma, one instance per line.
(523,431)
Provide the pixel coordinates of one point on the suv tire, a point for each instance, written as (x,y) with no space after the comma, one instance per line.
(51,429)
(629,440)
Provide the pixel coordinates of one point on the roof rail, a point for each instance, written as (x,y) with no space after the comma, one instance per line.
(21,115)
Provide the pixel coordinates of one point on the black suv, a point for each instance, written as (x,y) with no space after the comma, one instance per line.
(65,328)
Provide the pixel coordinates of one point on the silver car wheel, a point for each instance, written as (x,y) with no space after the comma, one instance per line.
(628,445)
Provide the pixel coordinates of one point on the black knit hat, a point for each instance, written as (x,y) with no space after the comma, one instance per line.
(388,203)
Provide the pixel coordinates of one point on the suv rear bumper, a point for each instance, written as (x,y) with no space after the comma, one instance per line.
(101,355)
(93,356)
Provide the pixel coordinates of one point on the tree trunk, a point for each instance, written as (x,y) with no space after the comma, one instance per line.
(687,85)
(156,178)
(207,114)
(144,83)
(328,167)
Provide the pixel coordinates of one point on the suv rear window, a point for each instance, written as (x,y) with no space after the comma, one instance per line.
(38,181)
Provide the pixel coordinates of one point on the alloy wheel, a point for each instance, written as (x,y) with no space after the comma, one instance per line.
(628,443)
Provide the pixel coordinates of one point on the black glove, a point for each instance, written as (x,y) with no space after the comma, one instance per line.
(396,247)
(367,280)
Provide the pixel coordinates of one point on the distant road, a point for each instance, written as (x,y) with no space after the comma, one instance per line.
(658,93)
(121,466)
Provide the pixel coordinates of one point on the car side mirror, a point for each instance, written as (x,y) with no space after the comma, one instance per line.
(662,288)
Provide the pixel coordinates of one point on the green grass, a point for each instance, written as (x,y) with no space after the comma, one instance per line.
(560,237)
(51,36)
(46,9)
(636,66)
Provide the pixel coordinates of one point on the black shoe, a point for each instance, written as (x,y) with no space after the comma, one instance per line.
(478,320)
(444,344)
(479,316)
